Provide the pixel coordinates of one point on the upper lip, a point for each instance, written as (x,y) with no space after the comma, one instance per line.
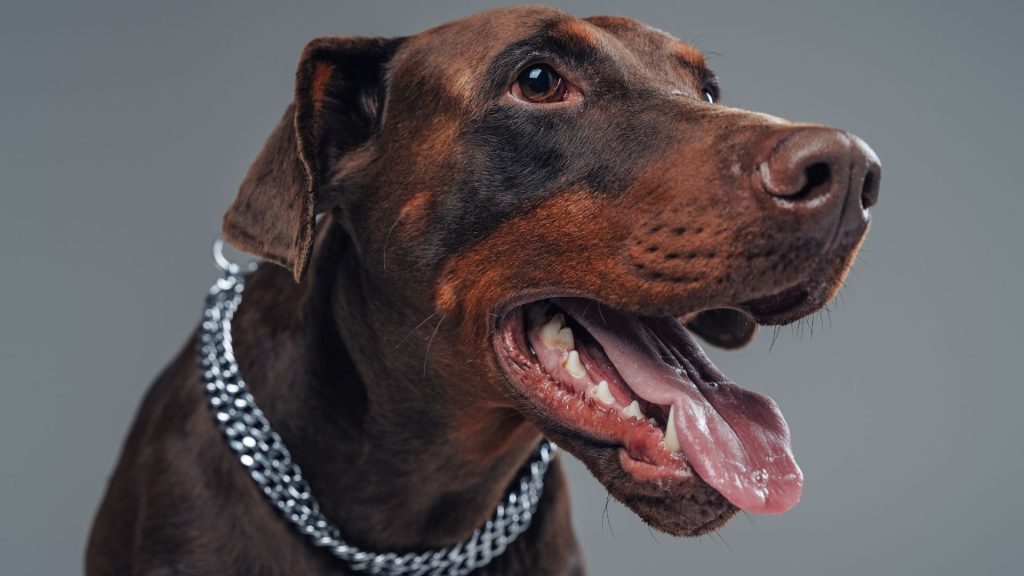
(759,308)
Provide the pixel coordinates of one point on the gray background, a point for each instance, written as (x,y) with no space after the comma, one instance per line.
(125,129)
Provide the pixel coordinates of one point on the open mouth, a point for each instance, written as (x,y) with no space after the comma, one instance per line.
(644,385)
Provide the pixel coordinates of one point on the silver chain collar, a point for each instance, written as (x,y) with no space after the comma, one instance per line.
(268,461)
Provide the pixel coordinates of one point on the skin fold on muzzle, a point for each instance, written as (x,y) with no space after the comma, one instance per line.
(504,227)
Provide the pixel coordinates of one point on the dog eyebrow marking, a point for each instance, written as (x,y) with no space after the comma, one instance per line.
(690,58)
(578,31)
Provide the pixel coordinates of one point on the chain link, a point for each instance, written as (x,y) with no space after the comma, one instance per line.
(269,463)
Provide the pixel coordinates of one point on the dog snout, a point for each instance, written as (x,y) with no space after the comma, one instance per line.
(812,169)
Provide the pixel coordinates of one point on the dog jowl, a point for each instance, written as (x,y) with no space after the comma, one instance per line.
(526,219)
(574,199)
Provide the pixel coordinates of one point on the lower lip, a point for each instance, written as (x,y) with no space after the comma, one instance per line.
(779,304)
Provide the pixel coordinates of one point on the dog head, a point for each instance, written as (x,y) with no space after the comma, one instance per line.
(568,195)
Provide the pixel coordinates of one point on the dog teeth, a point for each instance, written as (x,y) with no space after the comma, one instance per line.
(564,339)
(602,392)
(633,411)
(555,334)
(671,436)
(573,365)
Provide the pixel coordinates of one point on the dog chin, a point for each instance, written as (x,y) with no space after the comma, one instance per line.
(669,498)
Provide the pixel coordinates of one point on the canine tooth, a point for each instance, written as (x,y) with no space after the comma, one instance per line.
(555,334)
(573,365)
(671,436)
(633,411)
(602,392)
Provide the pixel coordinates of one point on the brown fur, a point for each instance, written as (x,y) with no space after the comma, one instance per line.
(377,368)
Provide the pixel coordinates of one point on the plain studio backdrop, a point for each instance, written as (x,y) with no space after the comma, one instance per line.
(126,129)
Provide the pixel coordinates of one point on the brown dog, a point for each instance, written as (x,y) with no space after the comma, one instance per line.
(517,208)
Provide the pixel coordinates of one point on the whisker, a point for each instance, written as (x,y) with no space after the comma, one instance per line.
(605,516)
(722,538)
(415,328)
(426,354)
(388,239)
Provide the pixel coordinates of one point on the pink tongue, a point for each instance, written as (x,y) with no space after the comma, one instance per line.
(736,440)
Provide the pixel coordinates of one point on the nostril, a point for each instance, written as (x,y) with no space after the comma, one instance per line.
(869,194)
(816,180)
(817,167)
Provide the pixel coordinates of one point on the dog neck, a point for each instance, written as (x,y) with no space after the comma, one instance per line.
(397,457)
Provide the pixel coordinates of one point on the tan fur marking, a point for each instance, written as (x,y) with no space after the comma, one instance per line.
(461,82)
(691,55)
(578,31)
(612,22)
(410,216)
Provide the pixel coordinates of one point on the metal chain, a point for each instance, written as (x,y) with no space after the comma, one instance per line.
(269,463)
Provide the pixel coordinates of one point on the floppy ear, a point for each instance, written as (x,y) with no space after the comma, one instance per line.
(339,96)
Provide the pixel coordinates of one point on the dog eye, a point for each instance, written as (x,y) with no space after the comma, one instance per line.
(540,84)
(710,90)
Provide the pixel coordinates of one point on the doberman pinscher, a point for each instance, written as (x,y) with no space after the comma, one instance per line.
(504,227)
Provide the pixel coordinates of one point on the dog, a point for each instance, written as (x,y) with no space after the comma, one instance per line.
(504,228)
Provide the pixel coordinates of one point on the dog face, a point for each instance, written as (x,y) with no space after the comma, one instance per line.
(568,194)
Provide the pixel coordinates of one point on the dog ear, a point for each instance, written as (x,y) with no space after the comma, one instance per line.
(339,96)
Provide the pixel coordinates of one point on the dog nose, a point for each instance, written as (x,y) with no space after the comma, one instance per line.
(806,165)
